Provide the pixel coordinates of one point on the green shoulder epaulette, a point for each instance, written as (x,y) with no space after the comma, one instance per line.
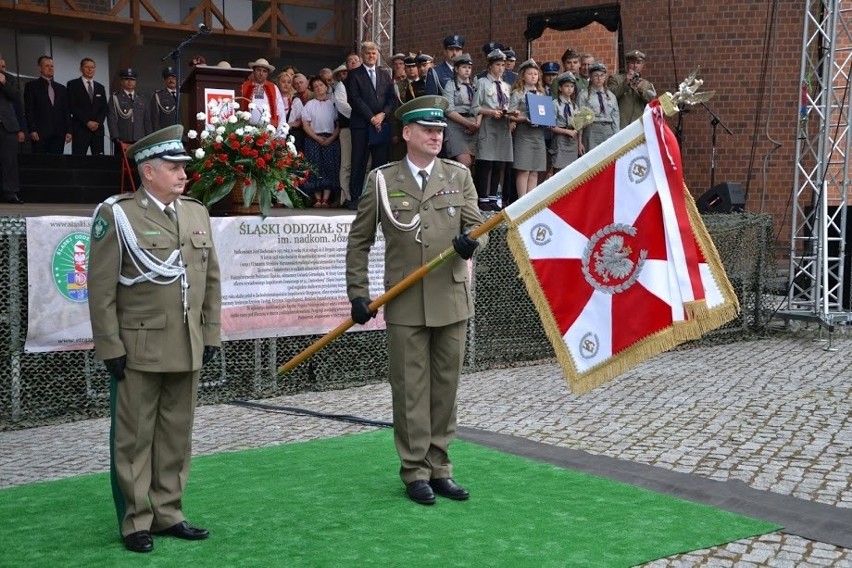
(450,162)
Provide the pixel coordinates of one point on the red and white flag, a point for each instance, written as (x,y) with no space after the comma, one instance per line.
(616,257)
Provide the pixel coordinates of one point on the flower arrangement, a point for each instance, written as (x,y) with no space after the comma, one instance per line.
(235,155)
(582,118)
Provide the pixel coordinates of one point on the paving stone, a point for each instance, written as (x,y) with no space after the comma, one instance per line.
(741,411)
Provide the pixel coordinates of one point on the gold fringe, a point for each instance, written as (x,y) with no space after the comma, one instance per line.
(700,318)
(588,174)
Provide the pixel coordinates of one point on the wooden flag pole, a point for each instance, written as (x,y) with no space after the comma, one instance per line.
(402,286)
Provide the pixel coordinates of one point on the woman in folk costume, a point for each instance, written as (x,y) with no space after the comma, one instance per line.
(264,94)
(530,151)
(462,125)
(567,144)
(494,143)
(603,103)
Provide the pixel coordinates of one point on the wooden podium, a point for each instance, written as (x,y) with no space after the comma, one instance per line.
(203,77)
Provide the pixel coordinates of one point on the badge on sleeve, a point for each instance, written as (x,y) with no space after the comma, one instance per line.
(99,228)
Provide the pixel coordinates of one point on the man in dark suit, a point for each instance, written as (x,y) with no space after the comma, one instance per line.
(88,103)
(370,93)
(47,112)
(11,135)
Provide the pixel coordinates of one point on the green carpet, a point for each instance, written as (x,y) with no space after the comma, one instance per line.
(339,502)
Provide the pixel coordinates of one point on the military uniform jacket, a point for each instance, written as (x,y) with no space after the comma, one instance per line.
(631,104)
(447,207)
(145,321)
(161,110)
(127,118)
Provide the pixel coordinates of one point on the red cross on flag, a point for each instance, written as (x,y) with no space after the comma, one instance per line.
(616,257)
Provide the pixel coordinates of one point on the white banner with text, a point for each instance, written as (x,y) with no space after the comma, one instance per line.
(281,276)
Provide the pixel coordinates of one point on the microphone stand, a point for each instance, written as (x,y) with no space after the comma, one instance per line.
(175,56)
(714,122)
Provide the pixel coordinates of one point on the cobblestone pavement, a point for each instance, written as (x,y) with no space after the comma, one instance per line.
(775,414)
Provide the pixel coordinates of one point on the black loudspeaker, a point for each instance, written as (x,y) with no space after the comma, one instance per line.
(727,197)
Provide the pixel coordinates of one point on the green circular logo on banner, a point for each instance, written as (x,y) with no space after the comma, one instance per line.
(71,266)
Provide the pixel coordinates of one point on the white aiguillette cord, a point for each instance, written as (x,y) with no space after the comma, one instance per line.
(382,188)
(161,272)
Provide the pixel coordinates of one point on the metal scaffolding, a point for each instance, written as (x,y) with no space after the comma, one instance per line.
(820,189)
(375,23)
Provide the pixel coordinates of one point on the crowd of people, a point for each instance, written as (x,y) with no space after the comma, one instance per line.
(342,118)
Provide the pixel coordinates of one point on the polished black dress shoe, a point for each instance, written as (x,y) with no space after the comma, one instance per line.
(446,487)
(140,541)
(12,199)
(420,492)
(185,531)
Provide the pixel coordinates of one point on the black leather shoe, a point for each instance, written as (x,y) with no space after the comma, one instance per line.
(420,492)
(139,542)
(13,199)
(185,531)
(446,487)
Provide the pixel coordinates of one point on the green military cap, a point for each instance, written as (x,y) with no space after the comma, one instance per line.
(427,110)
(165,144)
(635,55)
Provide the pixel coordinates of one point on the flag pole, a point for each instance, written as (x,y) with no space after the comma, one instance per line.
(402,286)
(687,93)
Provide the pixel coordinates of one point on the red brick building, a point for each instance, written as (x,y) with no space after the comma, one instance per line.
(748,53)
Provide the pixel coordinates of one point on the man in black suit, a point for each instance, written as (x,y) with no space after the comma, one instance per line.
(88,103)
(11,135)
(47,112)
(370,93)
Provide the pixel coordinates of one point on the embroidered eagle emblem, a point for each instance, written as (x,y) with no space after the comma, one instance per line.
(613,259)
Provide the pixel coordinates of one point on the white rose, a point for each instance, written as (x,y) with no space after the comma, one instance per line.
(220,130)
(205,134)
(235,105)
(218,139)
(192,134)
(245,115)
(199,153)
(271,128)
(232,119)
(201,116)
(239,131)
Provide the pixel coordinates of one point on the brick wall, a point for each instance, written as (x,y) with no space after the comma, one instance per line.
(725,37)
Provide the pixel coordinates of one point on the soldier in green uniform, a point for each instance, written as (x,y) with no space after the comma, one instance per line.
(154,302)
(424,205)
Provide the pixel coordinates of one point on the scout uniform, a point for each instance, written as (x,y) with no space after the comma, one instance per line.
(154,298)
(126,116)
(163,105)
(605,106)
(426,323)
(564,149)
(459,139)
